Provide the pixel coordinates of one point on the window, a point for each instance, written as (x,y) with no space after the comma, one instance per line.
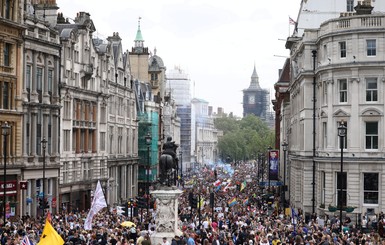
(103,114)
(371,47)
(341,180)
(102,141)
(371,188)
(325,134)
(343,90)
(38,133)
(120,140)
(349,5)
(371,135)
(65,171)
(371,89)
(66,140)
(323,187)
(325,93)
(7,9)
(345,139)
(7,54)
(39,81)
(50,81)
(5,94)
(342,49)
(67,109)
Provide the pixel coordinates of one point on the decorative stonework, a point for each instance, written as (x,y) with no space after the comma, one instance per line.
(166,218)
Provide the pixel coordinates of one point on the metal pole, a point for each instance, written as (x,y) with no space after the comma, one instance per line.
(284,177)
(181,166)
(314,132)
(5,177)
(148,178)
(199,210)
(341,182)
(44,141)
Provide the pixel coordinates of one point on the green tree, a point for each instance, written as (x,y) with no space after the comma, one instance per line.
(243,138)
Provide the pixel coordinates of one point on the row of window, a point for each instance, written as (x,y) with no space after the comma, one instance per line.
(371,135)
(371,48)
(71,173)
(370,187)
(371,90)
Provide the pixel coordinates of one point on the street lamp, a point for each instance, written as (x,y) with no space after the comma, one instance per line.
(284,148)
(181,164)
(148,143)
(268,158)
(5,132)
(44,145)
(342,130)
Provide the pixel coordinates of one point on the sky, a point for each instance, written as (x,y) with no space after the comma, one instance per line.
(216,42)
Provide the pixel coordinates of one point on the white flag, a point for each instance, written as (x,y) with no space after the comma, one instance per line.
(98,203)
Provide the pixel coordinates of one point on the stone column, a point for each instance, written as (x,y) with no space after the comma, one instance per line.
(166,214)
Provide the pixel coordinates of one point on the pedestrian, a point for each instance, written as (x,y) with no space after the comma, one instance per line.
(164,241)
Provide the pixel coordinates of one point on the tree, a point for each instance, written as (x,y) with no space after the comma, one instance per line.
(243,138)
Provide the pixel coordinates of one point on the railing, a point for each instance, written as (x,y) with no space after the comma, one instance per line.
(353,22)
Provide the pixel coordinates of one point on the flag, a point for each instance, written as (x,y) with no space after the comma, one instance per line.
(227,186)
(291,21)
(49,217)
(246,201)
(98,203)
(26,241)
(216,183)
(294,216)
(232,201)
(218,188)
(50,236)
(243,185)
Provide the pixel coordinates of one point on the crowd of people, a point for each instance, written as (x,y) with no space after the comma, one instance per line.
(239,212)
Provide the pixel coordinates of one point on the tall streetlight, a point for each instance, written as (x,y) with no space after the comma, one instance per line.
(148,143)
(44,145)
(5,132)
(284,148)
(342,130)
(268,158)
(181,164)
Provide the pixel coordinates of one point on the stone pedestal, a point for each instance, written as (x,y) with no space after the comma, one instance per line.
(166,218)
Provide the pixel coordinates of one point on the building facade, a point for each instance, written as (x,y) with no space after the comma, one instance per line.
(11,110)
(347,75)
(41,109)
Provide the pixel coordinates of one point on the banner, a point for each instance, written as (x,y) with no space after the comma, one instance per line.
(98,203)
(273,165)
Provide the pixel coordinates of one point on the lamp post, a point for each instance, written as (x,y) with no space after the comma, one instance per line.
(148,142)
(5,132)
(284,148)
(44,145)
(181,164)
(268,158)
(342,130)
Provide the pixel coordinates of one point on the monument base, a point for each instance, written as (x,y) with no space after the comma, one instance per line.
(166,218)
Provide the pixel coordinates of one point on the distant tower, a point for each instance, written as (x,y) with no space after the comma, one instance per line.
(255,99)
(139,57)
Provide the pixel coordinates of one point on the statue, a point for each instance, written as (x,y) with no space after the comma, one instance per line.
(168,162)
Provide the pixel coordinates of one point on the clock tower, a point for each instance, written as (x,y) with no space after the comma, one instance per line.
(255,99)
(139,57)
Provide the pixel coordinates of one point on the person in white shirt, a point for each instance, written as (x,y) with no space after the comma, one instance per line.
(165,242)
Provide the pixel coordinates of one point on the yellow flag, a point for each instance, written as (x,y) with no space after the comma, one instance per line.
(50,236)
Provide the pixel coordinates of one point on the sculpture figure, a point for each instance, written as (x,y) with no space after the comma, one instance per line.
(168,162)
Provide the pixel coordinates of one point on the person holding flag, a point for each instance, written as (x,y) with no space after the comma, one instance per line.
(98,203)
(49,236)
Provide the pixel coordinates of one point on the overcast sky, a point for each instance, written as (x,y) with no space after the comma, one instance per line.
(216,42)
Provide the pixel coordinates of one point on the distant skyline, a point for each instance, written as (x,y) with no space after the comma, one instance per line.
(216,42)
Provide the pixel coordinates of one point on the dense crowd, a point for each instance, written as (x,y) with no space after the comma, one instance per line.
(240,213)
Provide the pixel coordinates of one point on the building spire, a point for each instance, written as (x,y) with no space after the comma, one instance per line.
(254,84)
(139,38)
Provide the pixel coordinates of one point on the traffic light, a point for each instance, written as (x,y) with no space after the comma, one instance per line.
(41,203)
(190,198)
(142,202)
(46,205)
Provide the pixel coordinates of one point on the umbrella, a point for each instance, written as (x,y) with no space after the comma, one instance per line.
(128,224)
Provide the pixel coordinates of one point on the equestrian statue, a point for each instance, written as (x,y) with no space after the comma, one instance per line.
(168,163)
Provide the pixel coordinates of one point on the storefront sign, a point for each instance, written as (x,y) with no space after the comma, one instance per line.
(10,188)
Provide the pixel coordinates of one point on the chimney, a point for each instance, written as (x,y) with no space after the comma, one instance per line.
(363,7)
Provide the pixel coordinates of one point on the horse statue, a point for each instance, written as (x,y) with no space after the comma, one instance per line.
(168,163)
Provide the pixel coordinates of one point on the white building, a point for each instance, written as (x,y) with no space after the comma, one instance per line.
(348,78)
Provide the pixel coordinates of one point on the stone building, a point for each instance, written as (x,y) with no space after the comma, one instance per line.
(41,108)
(342,61)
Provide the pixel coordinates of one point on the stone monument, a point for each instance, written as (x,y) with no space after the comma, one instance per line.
(166,219)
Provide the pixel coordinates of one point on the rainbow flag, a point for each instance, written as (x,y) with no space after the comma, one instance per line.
(232,202)
(246,201)
(243,185)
